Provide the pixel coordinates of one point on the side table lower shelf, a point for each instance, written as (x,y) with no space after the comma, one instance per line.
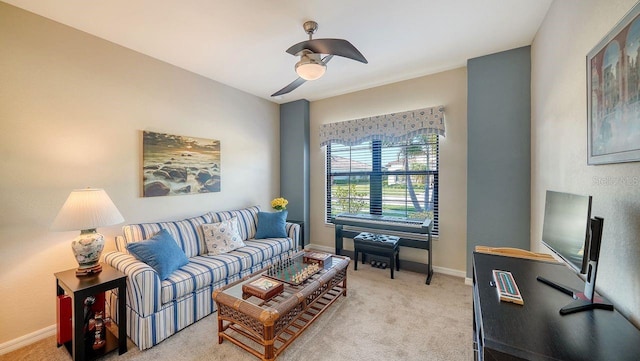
(78,288)
(111,336)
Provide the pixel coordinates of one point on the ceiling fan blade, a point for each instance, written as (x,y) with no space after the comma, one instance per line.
(289,88)
(338,47)
(326,59)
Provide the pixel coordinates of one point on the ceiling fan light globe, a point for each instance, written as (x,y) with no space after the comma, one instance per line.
(310,70)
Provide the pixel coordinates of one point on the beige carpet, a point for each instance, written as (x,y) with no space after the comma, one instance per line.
(380,319)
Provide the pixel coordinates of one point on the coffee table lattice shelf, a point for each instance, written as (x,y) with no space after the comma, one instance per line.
(266,328)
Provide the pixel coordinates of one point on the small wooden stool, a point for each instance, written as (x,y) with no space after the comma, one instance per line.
(379,245)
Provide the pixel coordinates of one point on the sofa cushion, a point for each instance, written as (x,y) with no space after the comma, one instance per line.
(160,252)
(271,225)
(247,220)
(222,237)
(187,233)
(263,249)
(202,271)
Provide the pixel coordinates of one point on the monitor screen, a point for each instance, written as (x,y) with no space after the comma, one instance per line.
(566,227)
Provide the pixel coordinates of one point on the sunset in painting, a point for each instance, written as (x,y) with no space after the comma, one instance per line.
(174,165)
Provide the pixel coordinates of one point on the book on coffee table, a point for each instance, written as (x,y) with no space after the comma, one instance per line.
(263,288)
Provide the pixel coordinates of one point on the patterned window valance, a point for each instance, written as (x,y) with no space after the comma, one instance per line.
(395,127)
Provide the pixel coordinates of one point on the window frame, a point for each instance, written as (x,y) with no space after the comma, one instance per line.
(377,175)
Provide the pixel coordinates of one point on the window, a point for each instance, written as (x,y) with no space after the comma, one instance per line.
(390,179)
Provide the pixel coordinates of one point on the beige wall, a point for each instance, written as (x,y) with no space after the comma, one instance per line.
(72,108)
(559,148)
(447,88)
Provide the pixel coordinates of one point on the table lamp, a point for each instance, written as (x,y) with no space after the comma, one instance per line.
(85,210)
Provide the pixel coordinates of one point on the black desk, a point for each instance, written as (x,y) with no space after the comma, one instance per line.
(536,330)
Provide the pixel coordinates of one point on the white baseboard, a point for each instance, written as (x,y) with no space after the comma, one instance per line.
(318,247)
(436,269)
(449,271)
(27,340)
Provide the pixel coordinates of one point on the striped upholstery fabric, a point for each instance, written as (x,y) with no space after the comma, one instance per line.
(143,283)
(121,244)
(205,270)
(293,233)
(187,233)
(158,309)
(247,220)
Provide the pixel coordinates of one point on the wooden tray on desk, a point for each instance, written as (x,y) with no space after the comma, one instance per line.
(516,252)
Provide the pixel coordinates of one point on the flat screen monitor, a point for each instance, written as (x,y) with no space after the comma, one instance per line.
(566,227)
(570,232)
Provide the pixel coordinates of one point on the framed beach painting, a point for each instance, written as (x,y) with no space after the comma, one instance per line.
(613,94)
(178,165)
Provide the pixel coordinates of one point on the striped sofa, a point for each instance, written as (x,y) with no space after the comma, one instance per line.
(157,309)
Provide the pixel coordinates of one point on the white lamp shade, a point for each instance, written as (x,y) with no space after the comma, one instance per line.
(86,209)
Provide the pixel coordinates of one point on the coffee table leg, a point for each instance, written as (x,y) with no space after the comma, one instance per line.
(268,347)
(344,287)
(220,330)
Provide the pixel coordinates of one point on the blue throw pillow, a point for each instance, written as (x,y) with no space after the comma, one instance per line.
(161,252)
(271,225)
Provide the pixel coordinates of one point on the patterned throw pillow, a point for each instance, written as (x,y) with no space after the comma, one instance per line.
(222,237)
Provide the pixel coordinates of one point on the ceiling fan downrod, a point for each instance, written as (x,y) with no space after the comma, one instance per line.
(310,28)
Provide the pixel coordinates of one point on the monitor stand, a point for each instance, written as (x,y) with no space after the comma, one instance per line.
(582,301)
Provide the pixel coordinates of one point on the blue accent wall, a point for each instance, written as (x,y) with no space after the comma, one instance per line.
(499,151)
(294,160)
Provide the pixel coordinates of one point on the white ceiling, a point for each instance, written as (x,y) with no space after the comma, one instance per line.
(242,43)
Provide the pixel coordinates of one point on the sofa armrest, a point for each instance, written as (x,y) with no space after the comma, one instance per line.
(293,232)
(143,282)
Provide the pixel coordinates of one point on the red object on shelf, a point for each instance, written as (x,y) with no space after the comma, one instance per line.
(64,315)
(99,306)
(63,319)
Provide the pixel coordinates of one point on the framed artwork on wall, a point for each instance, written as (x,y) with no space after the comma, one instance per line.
(613,94)
(178,165)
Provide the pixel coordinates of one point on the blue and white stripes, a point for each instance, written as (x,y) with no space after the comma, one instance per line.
(187,233)
(247,220)
(158,309)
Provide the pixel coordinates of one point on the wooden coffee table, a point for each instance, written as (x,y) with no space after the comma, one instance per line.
(266,328)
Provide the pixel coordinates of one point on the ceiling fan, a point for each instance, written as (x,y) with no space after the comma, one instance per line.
(312,65)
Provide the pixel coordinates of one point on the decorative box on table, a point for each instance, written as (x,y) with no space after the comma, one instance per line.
(321,258)
(263,288)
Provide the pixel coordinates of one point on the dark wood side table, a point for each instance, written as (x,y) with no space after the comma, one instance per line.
(81,287)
